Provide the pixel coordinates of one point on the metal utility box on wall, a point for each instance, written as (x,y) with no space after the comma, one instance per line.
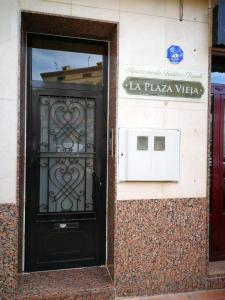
(149,154)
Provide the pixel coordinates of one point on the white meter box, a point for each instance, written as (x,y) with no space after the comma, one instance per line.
(149,154)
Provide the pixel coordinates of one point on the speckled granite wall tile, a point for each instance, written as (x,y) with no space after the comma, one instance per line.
(160,246)
(67,26)
(8,250)
(112,157)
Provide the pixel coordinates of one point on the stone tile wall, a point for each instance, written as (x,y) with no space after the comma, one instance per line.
(161,246)
(8,251)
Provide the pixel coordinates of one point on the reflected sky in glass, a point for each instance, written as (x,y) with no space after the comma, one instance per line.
(44,60)
(217,77)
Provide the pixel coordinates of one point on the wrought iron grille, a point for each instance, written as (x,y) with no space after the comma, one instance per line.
(66,153)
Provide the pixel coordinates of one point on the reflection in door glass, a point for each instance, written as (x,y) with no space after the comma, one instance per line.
(218,70)
(67,67)
(218,77)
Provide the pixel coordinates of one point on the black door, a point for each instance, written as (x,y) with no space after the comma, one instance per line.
(66,161)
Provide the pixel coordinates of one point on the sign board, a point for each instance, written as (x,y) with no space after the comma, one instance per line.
(175,54)
(142,82)
(162,87)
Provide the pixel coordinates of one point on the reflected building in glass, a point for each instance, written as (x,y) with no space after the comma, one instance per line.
(90,75)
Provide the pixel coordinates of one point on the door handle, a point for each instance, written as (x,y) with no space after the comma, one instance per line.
(111,142)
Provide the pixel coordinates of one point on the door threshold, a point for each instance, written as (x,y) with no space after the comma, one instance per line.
(60,270)
(216,268)
(90,282)
(216,275)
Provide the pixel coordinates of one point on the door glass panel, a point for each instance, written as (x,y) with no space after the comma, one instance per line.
(67,140)
(67,124)
(75,63)
(218,70)
(218,77)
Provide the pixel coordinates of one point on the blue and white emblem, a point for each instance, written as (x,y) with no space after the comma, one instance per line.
(175,54)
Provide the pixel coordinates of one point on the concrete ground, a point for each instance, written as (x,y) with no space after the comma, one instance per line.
(202,295)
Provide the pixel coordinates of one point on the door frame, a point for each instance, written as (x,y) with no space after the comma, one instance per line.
(67,26)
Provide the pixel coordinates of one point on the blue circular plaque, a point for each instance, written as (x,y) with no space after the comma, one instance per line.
(175,54)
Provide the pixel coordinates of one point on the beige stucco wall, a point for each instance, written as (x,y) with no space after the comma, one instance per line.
(146,29)
(9,60)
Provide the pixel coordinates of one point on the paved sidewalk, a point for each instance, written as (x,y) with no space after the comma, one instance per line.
(203,295)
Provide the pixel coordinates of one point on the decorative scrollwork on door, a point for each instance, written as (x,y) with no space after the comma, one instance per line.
(67,152)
